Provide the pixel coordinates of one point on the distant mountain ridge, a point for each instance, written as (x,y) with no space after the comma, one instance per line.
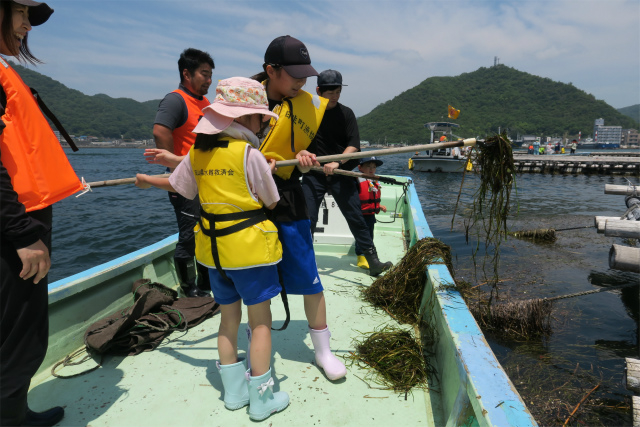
(489,99)
(632,111)
(98,115)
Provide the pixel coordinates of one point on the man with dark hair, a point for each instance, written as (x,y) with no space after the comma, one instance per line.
(338,134)
(178,113)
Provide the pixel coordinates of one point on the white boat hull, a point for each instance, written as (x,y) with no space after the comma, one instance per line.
(434,164)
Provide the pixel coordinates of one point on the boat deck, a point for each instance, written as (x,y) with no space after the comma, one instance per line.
(178,384)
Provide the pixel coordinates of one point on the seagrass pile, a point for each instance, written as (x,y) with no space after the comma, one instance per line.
(399,290)
(396,356)
(493,161)
(518,319)
(545,235)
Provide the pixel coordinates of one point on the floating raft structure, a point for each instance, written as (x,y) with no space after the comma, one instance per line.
(622,164)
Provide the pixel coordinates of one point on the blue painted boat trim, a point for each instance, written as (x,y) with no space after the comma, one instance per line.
(71,285)
(419,220)
(481,373)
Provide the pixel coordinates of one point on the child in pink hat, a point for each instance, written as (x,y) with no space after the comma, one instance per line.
(234,238)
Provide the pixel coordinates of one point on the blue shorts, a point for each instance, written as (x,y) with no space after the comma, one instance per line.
(253,285)
(298,269)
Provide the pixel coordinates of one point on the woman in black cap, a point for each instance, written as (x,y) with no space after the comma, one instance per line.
(34,174)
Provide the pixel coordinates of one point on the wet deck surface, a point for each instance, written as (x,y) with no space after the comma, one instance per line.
(178,384)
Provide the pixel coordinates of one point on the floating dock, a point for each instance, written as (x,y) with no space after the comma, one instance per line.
(623,164)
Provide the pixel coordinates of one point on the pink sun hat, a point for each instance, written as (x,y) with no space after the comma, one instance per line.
(235,97)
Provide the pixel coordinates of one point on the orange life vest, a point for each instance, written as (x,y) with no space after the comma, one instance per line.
(369,196)
(183,136)
(40,172)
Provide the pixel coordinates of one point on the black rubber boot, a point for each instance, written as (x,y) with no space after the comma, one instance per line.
(375,266)
(47,418)
(186,269)
(203,278)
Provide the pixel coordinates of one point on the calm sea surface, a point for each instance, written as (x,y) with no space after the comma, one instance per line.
(592,334)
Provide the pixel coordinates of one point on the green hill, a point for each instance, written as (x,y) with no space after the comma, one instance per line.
(632,111)
(488,99)
(97,115)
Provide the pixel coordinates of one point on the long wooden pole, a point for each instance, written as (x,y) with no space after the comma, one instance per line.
(124,181)
(358,175)
(624,258)
(325,159)
(622,228)
(120,181)
(621,190)
(385,152)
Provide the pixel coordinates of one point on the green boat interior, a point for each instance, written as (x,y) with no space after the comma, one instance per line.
(178,383)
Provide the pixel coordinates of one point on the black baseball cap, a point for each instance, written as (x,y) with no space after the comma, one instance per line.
(39,12)
(330,78)
(373,159)
(292,55)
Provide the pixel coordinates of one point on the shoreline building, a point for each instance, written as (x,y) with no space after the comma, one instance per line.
(630,137)
(606,134)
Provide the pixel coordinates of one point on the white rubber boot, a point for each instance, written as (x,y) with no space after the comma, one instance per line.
(234,381)
(334,369)
(263,401)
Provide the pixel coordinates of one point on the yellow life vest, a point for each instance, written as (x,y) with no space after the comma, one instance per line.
(298,121)
(242,237)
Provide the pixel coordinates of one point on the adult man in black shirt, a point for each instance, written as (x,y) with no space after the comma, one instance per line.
(338,134)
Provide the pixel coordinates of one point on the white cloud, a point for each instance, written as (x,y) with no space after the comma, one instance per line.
(130,48)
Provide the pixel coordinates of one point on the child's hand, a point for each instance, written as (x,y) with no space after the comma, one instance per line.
(306,160)
(330,167)
(272,165)
(162,157)
(383,208)
(141,181)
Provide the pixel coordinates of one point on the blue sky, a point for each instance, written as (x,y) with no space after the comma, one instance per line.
(129,48)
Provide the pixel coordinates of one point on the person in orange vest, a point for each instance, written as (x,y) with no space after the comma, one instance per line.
(178,113)
(34,174)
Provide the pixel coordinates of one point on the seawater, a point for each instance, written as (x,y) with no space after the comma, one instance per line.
(592,333)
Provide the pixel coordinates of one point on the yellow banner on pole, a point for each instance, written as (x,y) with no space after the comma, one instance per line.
(453,113)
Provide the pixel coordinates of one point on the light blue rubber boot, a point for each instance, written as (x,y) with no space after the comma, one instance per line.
(263,401)
(234,381)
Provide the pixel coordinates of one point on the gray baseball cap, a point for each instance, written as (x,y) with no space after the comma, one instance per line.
(330,78)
